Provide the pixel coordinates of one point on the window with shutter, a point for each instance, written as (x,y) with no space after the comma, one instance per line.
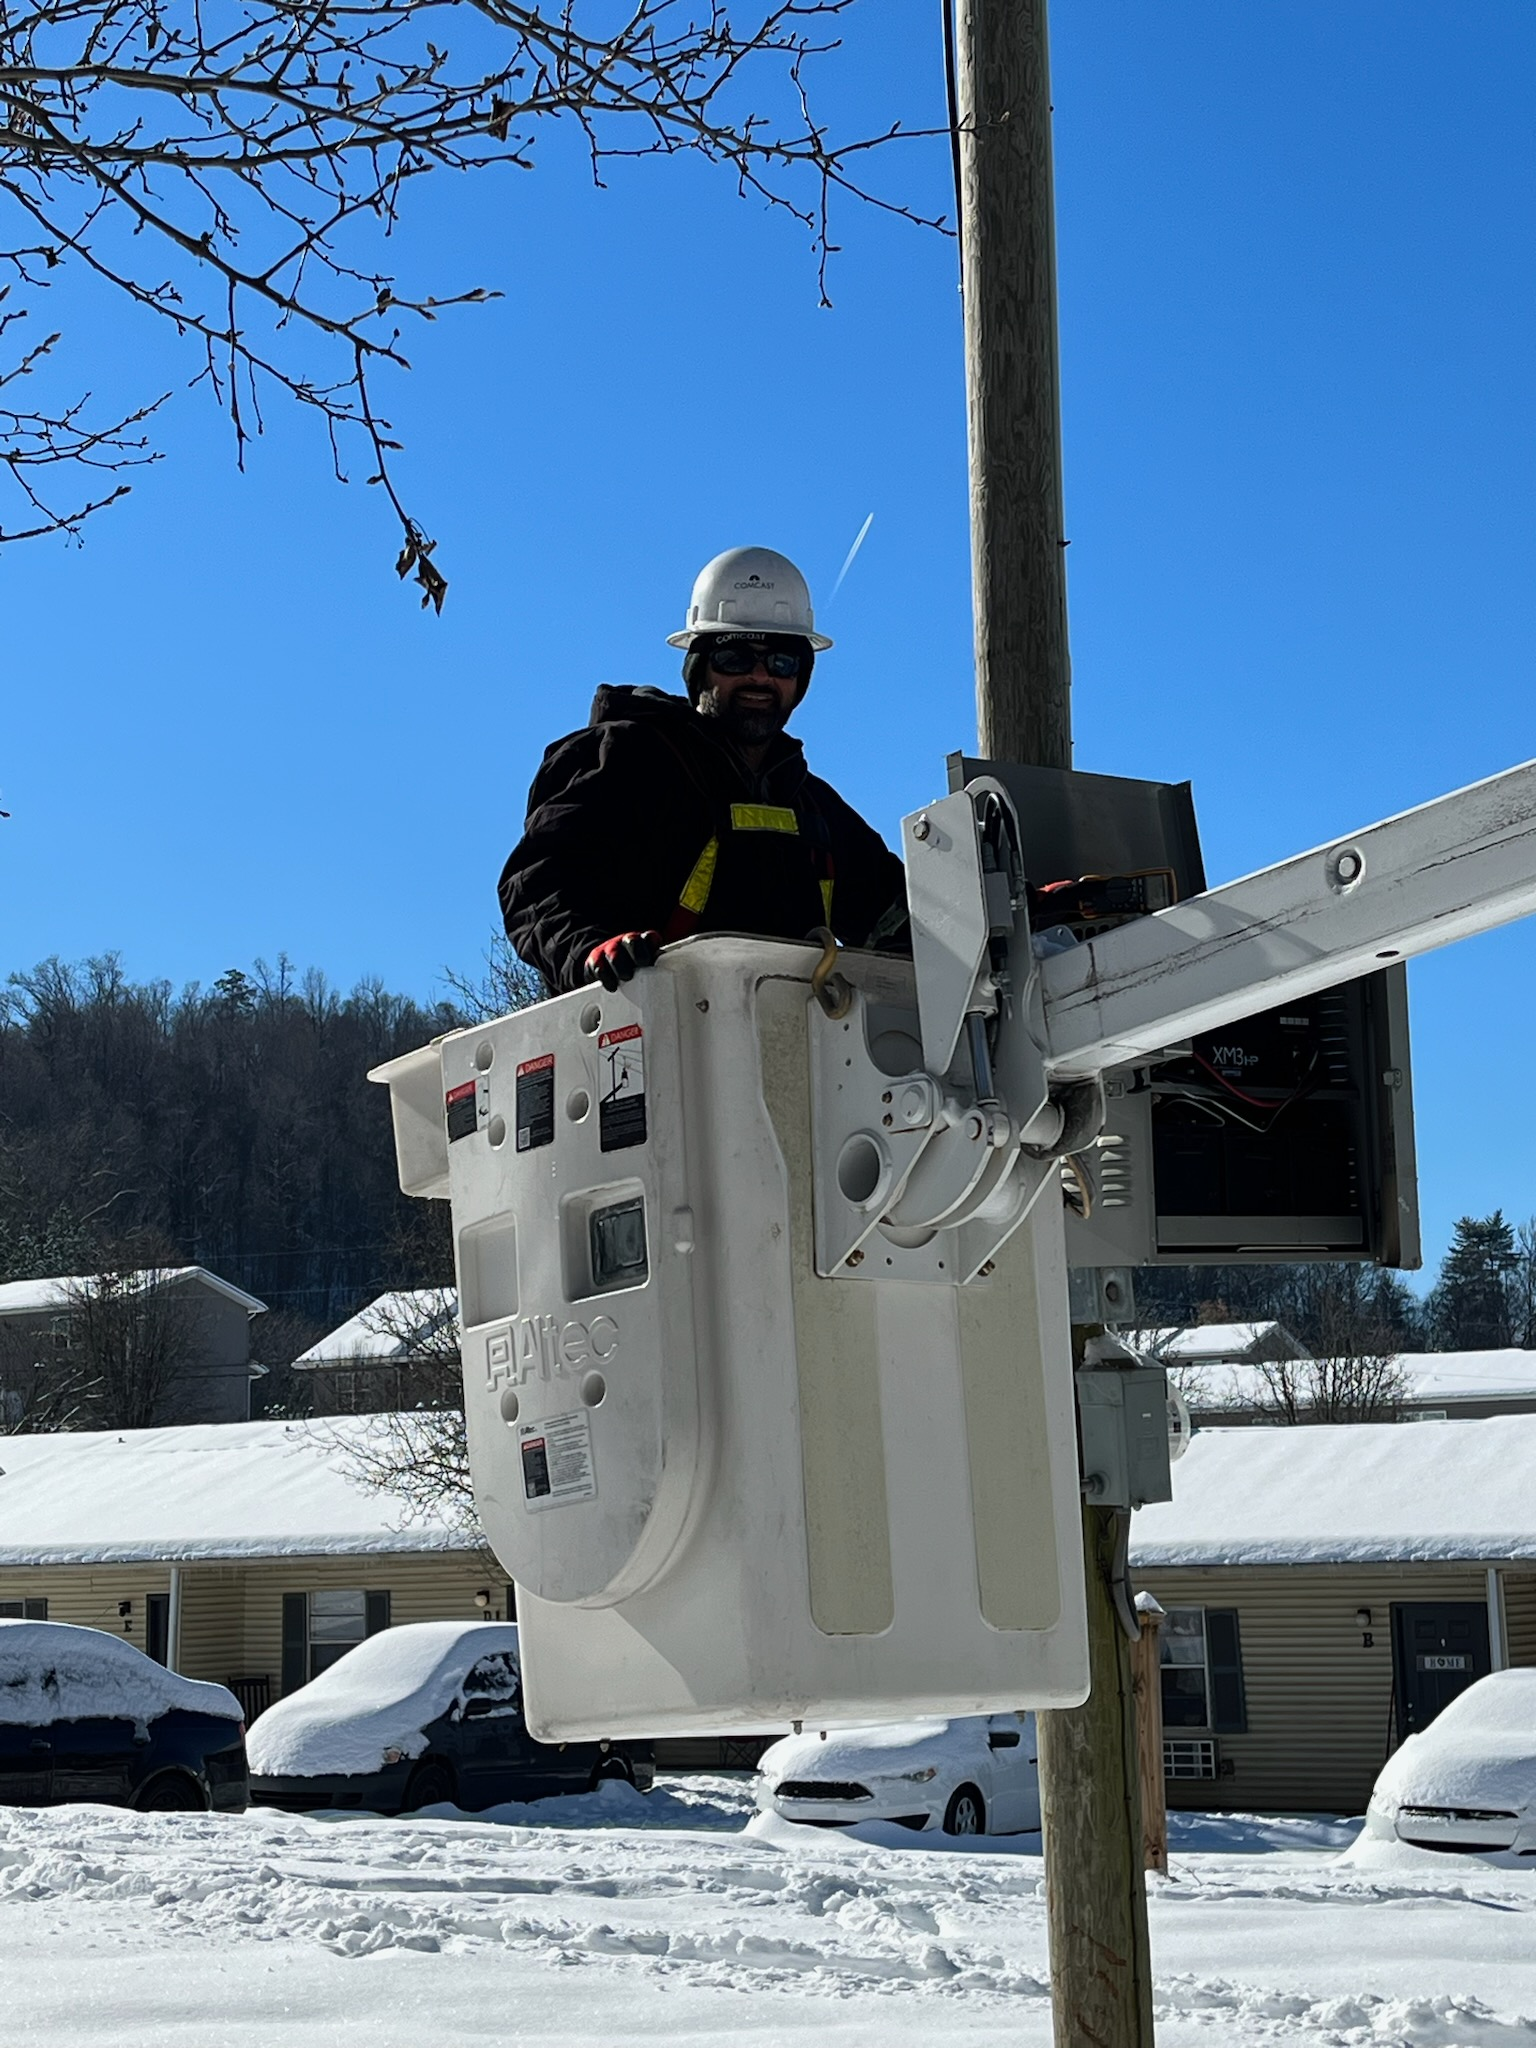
(338,1622)
(1202,1670)
(1181,1648)
(376,1611)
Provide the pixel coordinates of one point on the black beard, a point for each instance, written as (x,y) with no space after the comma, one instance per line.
(747,725)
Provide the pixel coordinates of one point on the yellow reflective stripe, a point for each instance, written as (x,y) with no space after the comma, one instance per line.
(763,818)
(826,898)
(698,885)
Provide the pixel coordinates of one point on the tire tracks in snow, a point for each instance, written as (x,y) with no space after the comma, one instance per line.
(707,1909)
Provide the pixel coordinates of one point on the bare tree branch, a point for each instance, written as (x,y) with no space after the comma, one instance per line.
(1355,1375)
(111,1356)
(417,1453)
(237,173)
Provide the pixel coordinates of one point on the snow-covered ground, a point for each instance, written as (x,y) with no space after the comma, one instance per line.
(614,1920)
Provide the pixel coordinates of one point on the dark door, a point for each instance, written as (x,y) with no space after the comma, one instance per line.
(495,1757)
(93,1759)
(26,1765)
(1439,1648)
(502,1759)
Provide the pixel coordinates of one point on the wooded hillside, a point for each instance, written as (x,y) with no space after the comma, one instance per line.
(233,1127)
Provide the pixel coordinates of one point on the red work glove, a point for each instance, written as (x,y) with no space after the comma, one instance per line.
(616,959)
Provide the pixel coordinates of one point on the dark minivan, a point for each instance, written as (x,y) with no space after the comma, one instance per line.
(84,1715)
(428,1714)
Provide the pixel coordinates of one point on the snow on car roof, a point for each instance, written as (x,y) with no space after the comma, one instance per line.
(52,1671)
(1365,1492)
(379,1696)
(1501,1705)
(881,1745)
(202,1491)
(1480,1751)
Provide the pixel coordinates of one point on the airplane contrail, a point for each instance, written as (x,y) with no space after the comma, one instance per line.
(858,543)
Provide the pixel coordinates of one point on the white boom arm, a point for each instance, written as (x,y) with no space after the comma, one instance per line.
(1462,864)
(1013,1045)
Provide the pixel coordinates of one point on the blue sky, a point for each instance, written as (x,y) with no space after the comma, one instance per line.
(1298,307)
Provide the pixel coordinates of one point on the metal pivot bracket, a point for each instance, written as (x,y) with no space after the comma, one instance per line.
(978,982)
(915,1180)
(924,1173)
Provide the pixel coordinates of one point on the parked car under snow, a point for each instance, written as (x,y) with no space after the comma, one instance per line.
(975,1776)
(428,1714)
(1468,1781)
(84,1715)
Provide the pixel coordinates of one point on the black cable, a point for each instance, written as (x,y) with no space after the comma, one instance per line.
(952,100)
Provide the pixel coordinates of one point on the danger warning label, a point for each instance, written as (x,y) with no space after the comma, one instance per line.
(621,1104)
(536,1102)
(557,1460)
(459,1105)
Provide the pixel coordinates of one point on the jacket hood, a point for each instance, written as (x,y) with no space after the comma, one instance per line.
(639,702)
(633,701)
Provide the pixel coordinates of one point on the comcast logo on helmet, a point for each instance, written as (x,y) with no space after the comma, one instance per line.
(750,590)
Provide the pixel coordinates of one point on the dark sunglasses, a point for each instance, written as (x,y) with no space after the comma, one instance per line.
(738,658)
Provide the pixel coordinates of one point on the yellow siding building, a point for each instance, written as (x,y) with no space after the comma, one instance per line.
(1328,1590)
(249,1553)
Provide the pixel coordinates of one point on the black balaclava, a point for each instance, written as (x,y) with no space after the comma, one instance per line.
(750,726)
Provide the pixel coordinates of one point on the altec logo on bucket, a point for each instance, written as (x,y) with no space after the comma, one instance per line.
(542,1347)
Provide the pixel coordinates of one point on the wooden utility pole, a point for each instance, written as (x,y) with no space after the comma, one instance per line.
(1013,404)
(1101,1983)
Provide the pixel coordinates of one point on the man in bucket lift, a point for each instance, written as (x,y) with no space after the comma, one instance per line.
(670,815)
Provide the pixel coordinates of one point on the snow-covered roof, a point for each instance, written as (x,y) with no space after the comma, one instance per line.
(208,1491)
(1348,1493)
(390,1329)
(1433,1379)
(32,1297)
(1212,1341)
(1467,1375)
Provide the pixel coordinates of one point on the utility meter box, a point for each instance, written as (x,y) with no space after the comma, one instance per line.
(734,1491)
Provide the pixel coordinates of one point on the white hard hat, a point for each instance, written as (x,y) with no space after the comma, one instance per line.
(750,590)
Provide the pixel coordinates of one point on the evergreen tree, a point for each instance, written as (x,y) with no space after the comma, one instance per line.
(1474,1303)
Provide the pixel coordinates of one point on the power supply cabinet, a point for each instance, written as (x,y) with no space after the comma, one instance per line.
(1286,1136)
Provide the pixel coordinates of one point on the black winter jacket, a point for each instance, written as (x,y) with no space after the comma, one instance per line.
(621,817)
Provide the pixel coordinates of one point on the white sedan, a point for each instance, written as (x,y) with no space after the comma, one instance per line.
(970,1777)
(1468,1781)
